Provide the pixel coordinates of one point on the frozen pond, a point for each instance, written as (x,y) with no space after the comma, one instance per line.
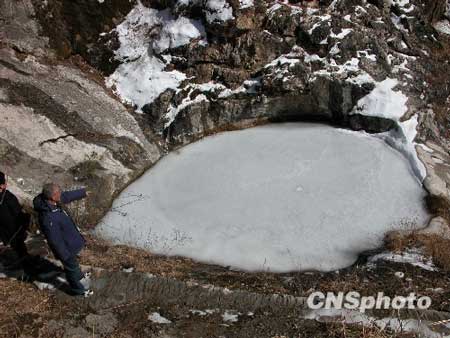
(278,197)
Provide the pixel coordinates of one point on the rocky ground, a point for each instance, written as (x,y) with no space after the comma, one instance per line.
(63,119)
(203,300)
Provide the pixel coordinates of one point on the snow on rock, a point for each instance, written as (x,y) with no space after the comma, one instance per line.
(423,327)
(414,257)
(388,103)
(141,81)
(405,5)
(248,211)
(155,317)
(198,312)
(218,11)
(443,26)
(272,10)
(187,101)
(399,274)
(281,60)
(141,77)
(321,18)
(245,4)
(344,32)
(248,86)
(383,101)
(211,86)
(230,316)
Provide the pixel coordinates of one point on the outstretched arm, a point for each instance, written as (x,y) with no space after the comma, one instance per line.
(73,195)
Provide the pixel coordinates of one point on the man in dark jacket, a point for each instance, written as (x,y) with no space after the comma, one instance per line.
(13,221)
(63,236)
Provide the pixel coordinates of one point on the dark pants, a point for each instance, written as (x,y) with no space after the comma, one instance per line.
(73,275)
(18,245)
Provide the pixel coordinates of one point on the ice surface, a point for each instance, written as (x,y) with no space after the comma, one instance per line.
(278,197)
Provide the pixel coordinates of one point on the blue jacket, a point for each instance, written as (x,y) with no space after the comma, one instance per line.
(62,234)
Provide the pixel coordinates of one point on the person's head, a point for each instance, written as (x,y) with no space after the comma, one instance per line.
(52,192)
(3,182)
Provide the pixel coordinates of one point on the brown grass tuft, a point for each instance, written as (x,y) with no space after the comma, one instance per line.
(439,248)
(433,245)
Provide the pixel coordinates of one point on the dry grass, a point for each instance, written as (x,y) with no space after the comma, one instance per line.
(24,309)
(439,248)
(100,253)
(342,330)
(397,241)
(433,245)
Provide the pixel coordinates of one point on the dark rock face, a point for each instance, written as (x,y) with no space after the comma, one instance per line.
(435,10)
(270,62)
(370,124)
(73,27)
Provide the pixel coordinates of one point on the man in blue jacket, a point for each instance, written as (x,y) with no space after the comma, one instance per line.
(63,236)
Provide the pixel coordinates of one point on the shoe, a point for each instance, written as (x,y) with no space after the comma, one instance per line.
(88,293)
(82,292)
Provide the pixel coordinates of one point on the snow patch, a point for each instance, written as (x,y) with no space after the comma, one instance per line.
(281,60)
(187,101)
(155,317)
(141,77)
(422,327)
(344,32)
(443,26)
(278,5)
(230,316)
(245,4)
(413,257)
(218,11)
(388,103)
(404,5)
(383,101)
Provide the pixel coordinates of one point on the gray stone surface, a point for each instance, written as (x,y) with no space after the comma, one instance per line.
(63,124)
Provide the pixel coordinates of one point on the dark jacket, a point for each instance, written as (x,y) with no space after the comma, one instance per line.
(62,234)
(13,222)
